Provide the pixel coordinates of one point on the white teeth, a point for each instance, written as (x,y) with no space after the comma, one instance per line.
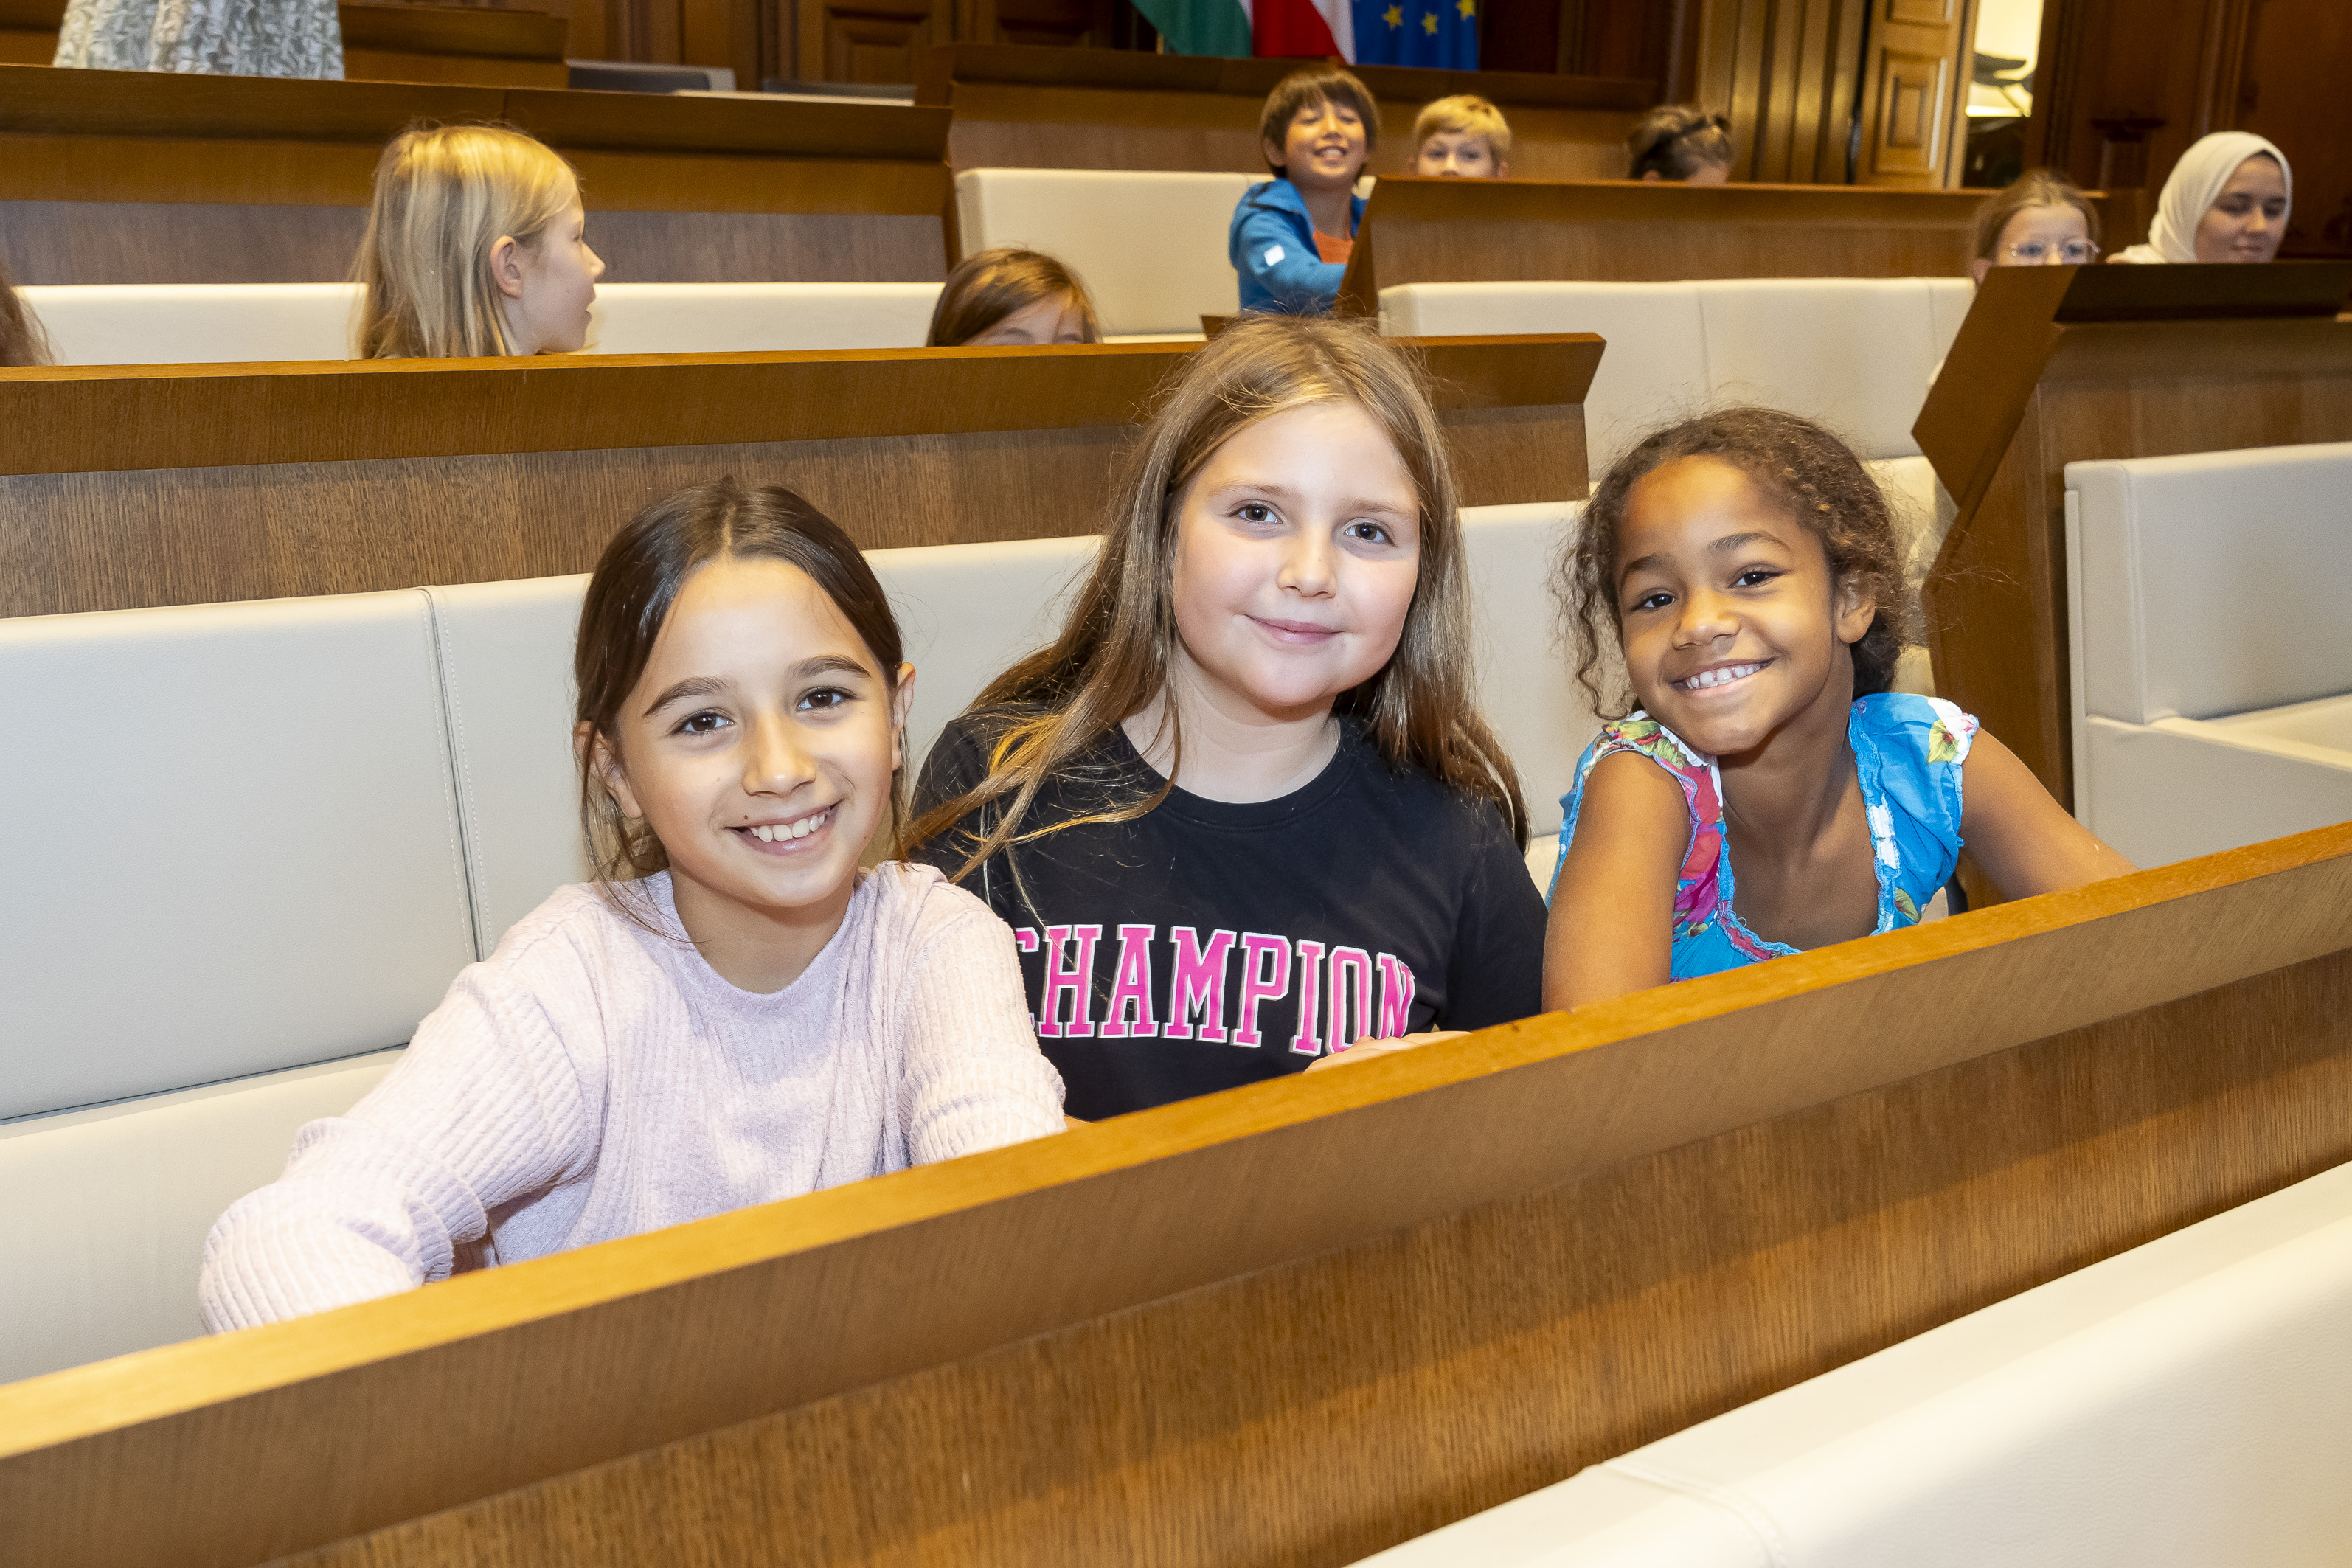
(785,831)
(762,834)
(1709,678)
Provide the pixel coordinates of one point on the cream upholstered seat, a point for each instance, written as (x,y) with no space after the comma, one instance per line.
(2212,668)
(204,324)
(2184,1403)
(366,793)
(1857,354)
(1150,246)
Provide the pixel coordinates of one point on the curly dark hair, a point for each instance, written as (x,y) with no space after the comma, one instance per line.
(1825,488)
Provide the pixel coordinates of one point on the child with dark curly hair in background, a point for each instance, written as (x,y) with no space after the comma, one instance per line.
(1744,567)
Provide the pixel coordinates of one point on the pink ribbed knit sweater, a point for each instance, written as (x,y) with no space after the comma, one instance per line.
(592,1080)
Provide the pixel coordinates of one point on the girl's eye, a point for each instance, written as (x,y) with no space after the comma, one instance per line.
(1754,577)
(703,723)
(1369,532)
(1658,600)
(1255,511)
(824,699)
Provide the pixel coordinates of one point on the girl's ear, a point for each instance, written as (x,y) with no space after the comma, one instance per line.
(1854,610)
(902,702)
(506,266)
(597,755)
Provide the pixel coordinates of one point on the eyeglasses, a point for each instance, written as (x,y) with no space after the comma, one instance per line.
(2074,252)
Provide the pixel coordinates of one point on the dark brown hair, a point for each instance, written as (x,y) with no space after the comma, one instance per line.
(990,285)
(629,598)
(1112,657)
(1674,141)
(1307,87)
(22,342)
(1811,471)
(2034,188)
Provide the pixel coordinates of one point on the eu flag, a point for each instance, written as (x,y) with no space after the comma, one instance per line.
(1417,33)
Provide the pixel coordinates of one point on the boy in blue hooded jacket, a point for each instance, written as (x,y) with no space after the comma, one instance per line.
(1292,236)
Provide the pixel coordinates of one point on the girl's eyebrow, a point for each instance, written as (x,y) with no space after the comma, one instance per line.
(828,664)
(692,685)
(1290,493)
(1661,559)
(713,686)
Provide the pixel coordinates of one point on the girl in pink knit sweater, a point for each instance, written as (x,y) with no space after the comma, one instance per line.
(732,1012)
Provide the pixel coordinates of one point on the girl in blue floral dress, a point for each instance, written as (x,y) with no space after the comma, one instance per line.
(1744,567)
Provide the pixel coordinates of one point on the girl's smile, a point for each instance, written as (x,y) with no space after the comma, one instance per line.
(789,837)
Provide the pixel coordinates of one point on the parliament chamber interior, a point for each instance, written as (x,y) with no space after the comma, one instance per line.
(619,622)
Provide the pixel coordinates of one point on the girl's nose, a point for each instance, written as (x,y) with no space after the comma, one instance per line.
(1706,616)
(1306,566)
(775,762)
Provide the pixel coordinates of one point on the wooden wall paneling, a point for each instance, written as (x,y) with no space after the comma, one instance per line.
(1554,1241)
(2052,367)
(2284,81)
(133,177)
(1114,109)
(1050,24)
(1784,72)
(28,31)
(127,487)
(1433,231)
(870,40)
(486,45)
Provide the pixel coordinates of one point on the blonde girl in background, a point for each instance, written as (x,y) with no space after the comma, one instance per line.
(2226,200)
(1010,296)
(1243,813)
(2043,220)
(475,248)
(1462,138)
(733,1011)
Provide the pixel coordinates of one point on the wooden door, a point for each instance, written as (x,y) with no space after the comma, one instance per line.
(1914,74)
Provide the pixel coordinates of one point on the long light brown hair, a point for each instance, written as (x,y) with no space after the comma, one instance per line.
(444,195)
(22,342)
(990,285)
(1113,655)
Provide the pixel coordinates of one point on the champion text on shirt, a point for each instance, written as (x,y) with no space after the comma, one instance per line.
(1335,987)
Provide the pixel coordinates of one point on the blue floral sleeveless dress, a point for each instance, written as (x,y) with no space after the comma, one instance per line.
(1907,751)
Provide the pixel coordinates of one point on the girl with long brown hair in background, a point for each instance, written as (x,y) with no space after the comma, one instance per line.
(1243,813)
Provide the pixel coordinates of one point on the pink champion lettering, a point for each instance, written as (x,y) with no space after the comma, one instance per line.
(1396,997)
(1130,1013)
(1198,986)
(1076,978)
(1306,1042)
(1346,961)
(1266,977)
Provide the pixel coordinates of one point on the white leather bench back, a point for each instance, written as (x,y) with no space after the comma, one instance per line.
(2185,1403)
(1857,354)
(213,324)
(237,847)
(2210,582)
(1150,246)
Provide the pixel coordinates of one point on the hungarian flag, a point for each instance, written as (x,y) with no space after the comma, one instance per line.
(1317,28)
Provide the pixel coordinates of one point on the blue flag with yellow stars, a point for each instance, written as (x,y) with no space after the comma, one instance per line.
(1417,33)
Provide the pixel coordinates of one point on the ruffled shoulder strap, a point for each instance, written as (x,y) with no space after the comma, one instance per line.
(1695,887)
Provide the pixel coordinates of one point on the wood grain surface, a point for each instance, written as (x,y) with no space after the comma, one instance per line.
(143,177)
(1295,1321)
(1480,231)
(1113,108)
(474,45)
(2026,391)
(128,487)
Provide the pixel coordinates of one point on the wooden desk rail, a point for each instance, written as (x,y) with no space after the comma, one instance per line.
(122,486)
(1483,231)
(1291,1323)
(1119,108)
(157,177)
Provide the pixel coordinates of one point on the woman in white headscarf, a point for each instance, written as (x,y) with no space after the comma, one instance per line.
(2227,201)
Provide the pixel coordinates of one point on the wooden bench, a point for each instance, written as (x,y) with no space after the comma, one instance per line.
(124,487)
(1626,231)
(156,177)
(1117,108)
(1294,1322)
(2055,365)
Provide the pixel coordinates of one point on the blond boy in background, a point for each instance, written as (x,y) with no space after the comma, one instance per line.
(1462,138)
